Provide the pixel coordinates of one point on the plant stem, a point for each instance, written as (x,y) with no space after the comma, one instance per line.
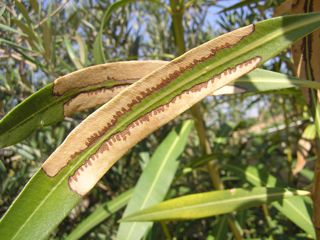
(288,142)
(165,230)
(316,180)
(177,10)
(268,219)
(308,48)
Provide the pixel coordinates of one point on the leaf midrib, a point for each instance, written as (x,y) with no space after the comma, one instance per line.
(222,201)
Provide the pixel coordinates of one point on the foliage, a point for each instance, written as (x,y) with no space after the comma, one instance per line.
(261,127)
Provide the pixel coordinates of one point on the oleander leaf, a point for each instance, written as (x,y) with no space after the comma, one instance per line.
(202,205)
(153,189)
(107,134)
(45,108)
(240,4)
(101,213)
(155,180)
(98,52)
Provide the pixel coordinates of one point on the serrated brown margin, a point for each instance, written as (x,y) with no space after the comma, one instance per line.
(106,117)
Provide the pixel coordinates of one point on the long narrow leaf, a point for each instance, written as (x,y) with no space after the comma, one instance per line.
(240,4)
(98,52)
(155,180)
(100,214)
(209,204)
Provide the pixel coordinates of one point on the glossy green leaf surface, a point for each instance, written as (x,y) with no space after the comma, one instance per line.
(155,180)
(67,175)
(100,214)
(220,229)
(239,5)
(208,204)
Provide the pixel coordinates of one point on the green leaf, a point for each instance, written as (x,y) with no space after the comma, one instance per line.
(294,208)
(101,213)
(27,30)
(21,50)
(83,51)
(310,132)
(76,61)
(47,40)
(261,80)
(2,9)
(308,174)
(221,228)
(98,52)
(239,5)
(10,29)
(34,4)
(14,45)
(155,180)
(105,136)
(23,10)
(209,204)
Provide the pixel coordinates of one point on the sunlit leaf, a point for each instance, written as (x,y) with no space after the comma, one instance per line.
(209,204)
(101,213)
(155,180)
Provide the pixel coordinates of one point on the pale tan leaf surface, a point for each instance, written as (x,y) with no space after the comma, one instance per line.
(97,124)
(304,147)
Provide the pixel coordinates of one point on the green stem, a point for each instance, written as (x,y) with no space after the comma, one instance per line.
(316,180)
(288,143)
(177,11)
(165,230)
(268,219)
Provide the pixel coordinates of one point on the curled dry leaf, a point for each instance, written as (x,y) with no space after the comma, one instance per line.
(105,81)
(304,147)
(98,130)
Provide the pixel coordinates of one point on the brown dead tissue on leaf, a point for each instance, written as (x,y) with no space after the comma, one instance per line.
(117,145)
(304,147)
(91,99)
(103,119)
(125,72)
